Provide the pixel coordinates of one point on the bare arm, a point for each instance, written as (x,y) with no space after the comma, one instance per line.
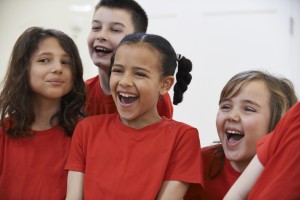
(75,186)
(172,190)
(245,182)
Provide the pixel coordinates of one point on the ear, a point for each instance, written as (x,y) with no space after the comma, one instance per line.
(167,83)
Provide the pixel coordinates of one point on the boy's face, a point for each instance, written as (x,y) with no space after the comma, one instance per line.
(109,27)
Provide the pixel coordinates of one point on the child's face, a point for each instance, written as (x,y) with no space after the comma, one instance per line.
(242,120)
(109,26)
(136,84)
(50,75)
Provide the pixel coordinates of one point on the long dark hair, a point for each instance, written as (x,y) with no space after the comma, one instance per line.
(15,98)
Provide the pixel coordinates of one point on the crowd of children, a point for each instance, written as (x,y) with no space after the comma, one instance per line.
(113,136)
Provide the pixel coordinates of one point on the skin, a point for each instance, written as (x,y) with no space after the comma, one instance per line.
(50,78)
(135,73)
(248,113)
(110,26)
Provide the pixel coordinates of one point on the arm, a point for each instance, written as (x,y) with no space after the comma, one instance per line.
(172,190)
(245,182)
(75,186)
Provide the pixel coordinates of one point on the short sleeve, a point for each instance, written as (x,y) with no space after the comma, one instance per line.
(76,157)
(185,163)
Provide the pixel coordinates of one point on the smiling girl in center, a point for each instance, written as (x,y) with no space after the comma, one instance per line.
(136,154)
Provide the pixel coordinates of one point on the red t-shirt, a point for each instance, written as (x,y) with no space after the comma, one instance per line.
(217,187)
(33,168)
(280,155)
(120,162)
(98,103)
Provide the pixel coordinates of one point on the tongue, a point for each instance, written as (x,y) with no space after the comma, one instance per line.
(235,137)
(128,100)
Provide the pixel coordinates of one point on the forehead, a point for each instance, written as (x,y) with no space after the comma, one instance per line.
(254,88)
(138,54)
(50,45)
(113,15)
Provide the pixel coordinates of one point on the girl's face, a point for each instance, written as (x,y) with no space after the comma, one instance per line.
(136,84)
(109,26)
(242,120)
(50,75)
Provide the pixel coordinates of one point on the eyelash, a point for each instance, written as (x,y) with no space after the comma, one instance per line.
(250,109)
(46,60)
(116,70)
(140,74)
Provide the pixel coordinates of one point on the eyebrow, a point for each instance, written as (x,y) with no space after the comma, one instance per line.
(41,53)
(244,101)
(252,102)
(111,23)
(135,68)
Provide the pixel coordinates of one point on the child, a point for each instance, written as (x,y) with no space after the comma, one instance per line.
(137,154)
(41,102)
(274,171)
(112,20)
(251,104)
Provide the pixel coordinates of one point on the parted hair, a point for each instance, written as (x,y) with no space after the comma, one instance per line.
(16,95)
(139,17)
(169,61)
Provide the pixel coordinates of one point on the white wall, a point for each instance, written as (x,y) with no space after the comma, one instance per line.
(221,37)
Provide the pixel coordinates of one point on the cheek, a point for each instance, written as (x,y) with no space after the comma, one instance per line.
(257,127)
(112,82)
(69,79)
(90,40)
(116,40)
(220,121)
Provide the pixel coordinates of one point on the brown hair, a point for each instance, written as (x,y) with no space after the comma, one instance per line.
(15,98)
(282,98)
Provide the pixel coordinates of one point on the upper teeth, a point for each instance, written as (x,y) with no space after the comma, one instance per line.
(101,49)
(233,132)
(127,95)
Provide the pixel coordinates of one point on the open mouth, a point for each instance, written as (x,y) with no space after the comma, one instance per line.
(127,98)
(102,50)
(233,136)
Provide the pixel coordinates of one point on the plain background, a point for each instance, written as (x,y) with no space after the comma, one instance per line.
(221,37)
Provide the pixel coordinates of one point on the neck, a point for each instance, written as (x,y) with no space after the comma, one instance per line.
(142,121)
(44,110)
(240,166)
(104,80)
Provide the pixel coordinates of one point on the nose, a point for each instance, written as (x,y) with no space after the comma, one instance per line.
(57,67)
(233,116)
(126,80)
(102,35)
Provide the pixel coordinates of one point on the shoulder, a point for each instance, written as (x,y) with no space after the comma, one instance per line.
(95,125)
(92,84)
(97,120)
(176,125)
(208,151)
(92,80)
(7,122)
